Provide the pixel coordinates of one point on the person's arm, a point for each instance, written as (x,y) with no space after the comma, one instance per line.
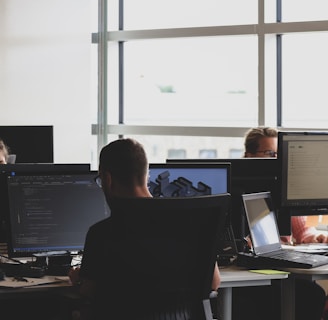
(305,234)
(86,287)
(216,278)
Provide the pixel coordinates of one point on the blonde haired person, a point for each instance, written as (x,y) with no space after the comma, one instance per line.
(4,152)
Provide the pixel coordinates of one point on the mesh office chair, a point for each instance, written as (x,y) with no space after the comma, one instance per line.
(159,257)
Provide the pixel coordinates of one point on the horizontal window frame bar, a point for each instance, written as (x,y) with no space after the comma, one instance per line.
(124,129)
(251,29)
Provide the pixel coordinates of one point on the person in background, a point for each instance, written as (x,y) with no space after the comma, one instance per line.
(263,142)
(4,152)
(123,172)
(309,296)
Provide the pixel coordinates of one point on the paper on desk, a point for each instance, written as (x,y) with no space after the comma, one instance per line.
(11,282)
(308,247)
(269,271)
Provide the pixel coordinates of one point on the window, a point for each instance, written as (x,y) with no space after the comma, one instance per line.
(187,77)
(304,73)
(185,74)
(191,82)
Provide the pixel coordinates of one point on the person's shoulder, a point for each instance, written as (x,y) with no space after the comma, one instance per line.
(105,223)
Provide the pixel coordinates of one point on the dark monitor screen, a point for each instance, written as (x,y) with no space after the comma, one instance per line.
(303,180)
(30,144)
(188,179)
(52,212)
(248,175)
(29,168)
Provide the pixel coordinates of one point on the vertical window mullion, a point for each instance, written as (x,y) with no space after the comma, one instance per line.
(102,75)
(261,68)
(279,68)
(121,65)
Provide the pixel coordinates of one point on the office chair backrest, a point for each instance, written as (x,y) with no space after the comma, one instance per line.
(164,253)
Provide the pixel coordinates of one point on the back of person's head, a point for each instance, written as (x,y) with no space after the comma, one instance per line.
(254,135)
(125,160)
(4,150)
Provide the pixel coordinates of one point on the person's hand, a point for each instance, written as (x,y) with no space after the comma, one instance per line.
(74,275)
(316,238)
(322,238)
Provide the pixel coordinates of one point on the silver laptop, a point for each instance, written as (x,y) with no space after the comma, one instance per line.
(265,236)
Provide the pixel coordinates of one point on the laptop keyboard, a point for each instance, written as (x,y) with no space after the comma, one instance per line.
(301,257)
(287,255)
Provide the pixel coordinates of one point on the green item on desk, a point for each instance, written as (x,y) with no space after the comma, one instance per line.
(269,271)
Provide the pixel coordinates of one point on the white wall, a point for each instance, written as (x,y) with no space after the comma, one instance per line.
(46,71)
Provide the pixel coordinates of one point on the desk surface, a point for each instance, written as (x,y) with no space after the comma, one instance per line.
(46,288)
(322,270)
(234,276)
(25,282)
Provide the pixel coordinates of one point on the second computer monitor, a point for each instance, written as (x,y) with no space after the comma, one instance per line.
(188,179)
(248,175)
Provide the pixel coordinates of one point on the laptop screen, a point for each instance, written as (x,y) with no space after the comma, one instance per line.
(262,222)
(188,179)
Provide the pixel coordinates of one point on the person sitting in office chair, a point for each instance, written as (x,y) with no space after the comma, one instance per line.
(309,296)
(123,172)
(4,152)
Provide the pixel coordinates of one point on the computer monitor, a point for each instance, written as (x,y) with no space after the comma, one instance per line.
(188,179)
(51,212)
(29,168)
(30,144)
(248,175)
(303,181)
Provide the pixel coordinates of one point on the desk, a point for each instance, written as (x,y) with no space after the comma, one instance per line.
(239,277)
(313,274)
(233,276)
(40,302)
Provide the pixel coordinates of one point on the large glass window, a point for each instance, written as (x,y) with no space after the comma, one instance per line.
(194,82)
(160,148)
(149,14)
(185,77)
(305,69)
(304,10)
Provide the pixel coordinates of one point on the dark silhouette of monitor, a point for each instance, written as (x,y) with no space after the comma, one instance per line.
(30,144)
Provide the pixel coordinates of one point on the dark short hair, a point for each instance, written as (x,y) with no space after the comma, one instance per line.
(125,160)
(254,135)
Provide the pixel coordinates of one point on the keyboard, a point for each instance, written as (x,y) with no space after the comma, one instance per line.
(283,259)
(22,270)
